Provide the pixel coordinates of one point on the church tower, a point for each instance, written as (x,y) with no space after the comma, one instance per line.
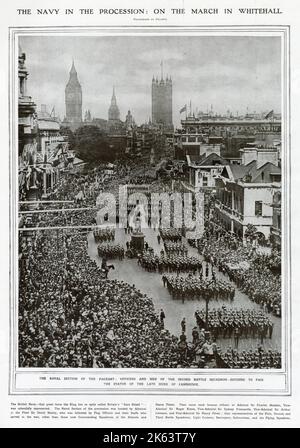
(73,99)
(162,101)
(113,111)
(129,121)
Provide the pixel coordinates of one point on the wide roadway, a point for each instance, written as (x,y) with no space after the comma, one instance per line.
(150,283)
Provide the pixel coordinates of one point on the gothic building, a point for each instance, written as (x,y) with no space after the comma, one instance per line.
(73,100)
(113,111)
(88,116)
(129,121)
(162,102)
(114,125)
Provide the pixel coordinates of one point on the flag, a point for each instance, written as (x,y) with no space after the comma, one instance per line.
(270,114)
(183,109)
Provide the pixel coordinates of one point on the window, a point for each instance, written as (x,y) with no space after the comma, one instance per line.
(204,183)
(276,177)
(258,208)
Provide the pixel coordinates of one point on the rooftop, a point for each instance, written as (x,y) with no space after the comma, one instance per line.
(203,160)
(48,124)
(251,174)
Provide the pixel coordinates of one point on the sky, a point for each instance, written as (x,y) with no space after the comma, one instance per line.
(229,73)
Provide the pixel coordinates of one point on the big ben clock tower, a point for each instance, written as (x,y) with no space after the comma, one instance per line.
(73,99)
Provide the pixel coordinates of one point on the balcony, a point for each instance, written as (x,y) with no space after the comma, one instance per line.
(231,213)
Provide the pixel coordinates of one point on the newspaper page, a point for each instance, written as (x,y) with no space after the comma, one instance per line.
(149,214)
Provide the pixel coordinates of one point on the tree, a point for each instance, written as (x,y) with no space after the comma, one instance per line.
(91,145)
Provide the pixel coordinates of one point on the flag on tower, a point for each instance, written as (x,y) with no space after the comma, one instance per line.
(183,109)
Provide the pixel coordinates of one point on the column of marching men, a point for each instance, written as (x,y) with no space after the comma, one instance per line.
(221,323)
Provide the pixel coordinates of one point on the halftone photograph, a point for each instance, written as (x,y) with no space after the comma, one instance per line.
(149,201)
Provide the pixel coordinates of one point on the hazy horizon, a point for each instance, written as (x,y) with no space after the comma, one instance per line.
(232,73)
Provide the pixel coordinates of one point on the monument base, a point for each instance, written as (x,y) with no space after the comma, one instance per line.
(137,241)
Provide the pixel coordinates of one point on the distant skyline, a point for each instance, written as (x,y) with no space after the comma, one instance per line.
(232,73)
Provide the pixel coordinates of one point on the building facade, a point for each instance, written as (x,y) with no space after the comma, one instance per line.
(275,236)
(229,126)
(48,134)
(129,120)
(231,133)
(27,117)
(28,172)
(162,102)
(202,171)
(245,196)
(52,155)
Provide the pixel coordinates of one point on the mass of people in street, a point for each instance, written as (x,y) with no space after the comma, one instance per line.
(241,265)
(71,317)
(71,314)
(60,218)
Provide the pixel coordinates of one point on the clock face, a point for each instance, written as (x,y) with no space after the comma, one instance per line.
(73,97)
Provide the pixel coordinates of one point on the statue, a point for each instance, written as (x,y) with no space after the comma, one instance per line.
(138,219)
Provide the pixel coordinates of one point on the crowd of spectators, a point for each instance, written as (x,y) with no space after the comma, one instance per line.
(60,218)
(70,316)
(241,264)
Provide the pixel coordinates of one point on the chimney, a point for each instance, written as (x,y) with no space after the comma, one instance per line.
(265,155)
(248,155)
(261,155)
